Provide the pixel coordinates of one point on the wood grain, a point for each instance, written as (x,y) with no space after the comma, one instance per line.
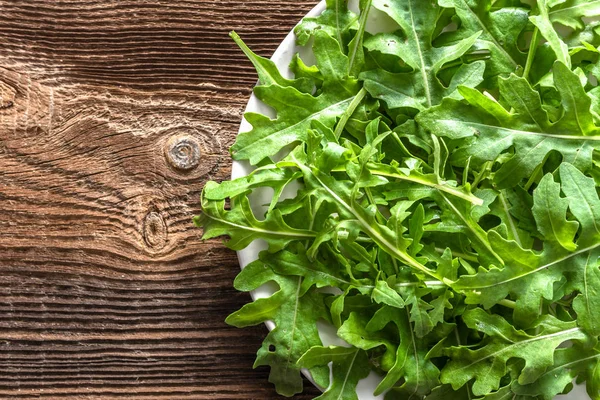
(107,291)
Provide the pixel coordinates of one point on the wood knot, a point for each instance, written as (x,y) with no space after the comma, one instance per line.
(7,96)
(183,152)
(155,231)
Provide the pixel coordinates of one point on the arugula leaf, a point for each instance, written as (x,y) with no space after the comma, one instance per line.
(268,176)
(420,375)
(487,363)
(354,331)
(292,123)
(529,276)
(296,263)
(585,206)
(243,228)
(571,12)
(549,211)
(336,21)
(295,330)
(500,30)
(544,24)
(384,294)
(529,129)
(420,88)
(568,363)
(268,74)
(349,366)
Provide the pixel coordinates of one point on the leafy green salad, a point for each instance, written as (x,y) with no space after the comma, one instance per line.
(434,200)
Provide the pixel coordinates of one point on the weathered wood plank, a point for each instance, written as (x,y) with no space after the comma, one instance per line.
(107,291)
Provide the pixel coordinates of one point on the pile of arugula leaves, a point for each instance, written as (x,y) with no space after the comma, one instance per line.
(448,220)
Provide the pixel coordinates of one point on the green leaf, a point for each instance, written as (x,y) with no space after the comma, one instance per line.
(583,202)
(549,210)
(487,363)
(268,136)
(301,70)
(544,24)
(593,380)
(383,294)
(416,230)
(243,228)
(571,12)
(420,88)
(528,130)
(295,330)
(440,304)
(417,374)
(354,331)
(568,363)
(530,276)
(268,74)
(314,272)
(576,104)
(503,208)
(419,315)
(500,29)
(267,176)
(349,366)
(336,21)
(587,302)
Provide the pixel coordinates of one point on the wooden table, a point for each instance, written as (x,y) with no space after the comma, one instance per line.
(107,290)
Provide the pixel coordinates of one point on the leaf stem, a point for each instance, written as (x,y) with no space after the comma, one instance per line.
(401,145)
(358,39)
(439,186)
(349,111)
(363,239)
(532,50)
(481,175)
(534,176)
(508,303)
(312,214)
(511,221)
(412,284)
(458,341)
(378,215)
(455,254)
(474,227)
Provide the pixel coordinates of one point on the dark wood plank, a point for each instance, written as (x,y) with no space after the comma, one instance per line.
(107,291)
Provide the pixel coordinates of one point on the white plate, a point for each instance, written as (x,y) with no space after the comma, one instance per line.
(282,58)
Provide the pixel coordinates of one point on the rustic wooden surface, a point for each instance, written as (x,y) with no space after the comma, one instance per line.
(107,291)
